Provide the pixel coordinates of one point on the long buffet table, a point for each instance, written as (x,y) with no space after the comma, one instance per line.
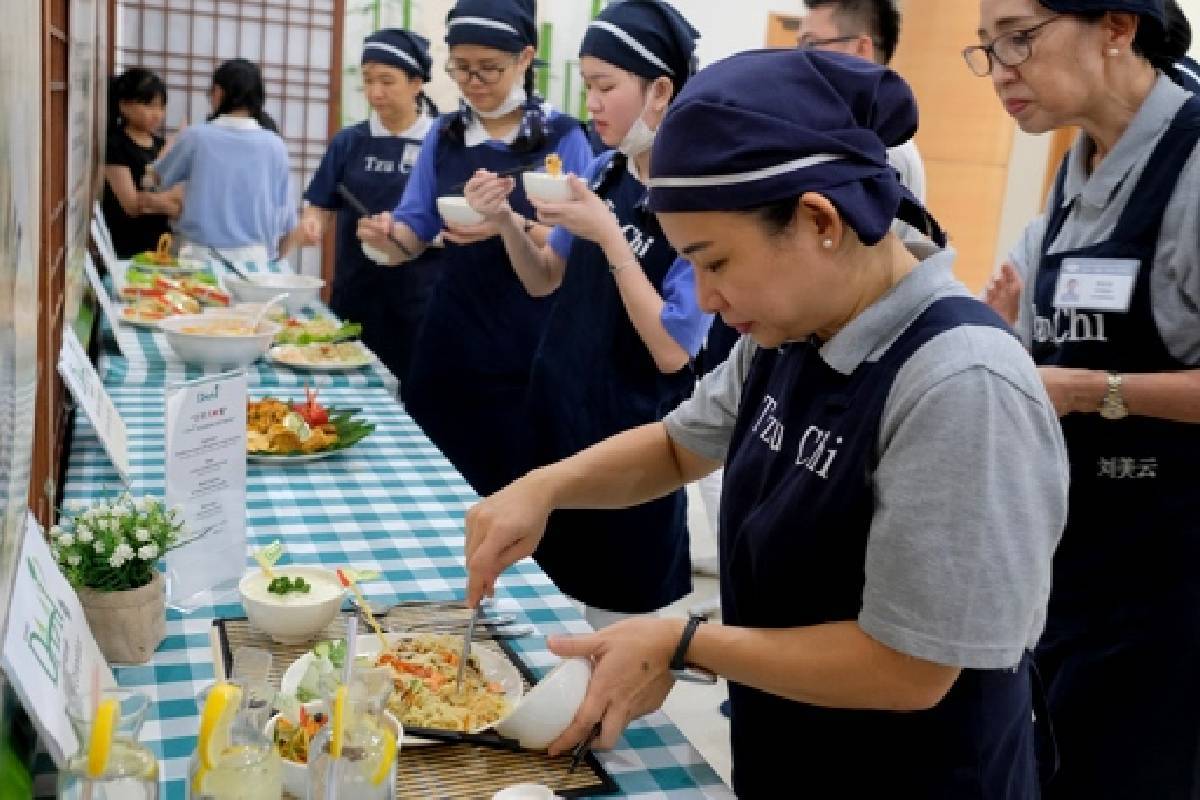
(392,503)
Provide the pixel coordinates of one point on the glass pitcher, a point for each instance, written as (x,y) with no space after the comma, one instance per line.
(366,769)
(248,767)
(128,771)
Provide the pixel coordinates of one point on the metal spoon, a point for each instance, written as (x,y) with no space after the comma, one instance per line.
(466,648)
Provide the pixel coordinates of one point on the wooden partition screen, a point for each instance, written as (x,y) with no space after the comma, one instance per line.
(296,43)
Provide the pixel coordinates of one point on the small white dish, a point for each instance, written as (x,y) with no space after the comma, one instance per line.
(457,211)
(525,791)
(302,290)
(295,617)
(295,774)
(546,187)
(549,706)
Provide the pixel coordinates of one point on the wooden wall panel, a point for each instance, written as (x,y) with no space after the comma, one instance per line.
(967,200)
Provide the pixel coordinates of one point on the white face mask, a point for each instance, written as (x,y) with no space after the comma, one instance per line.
(637,140)
(516,98)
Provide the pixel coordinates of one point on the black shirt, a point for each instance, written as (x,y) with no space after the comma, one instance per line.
(131,235)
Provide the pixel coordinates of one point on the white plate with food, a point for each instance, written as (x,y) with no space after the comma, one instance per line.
(279,431)
(131,315)
(423,668)
(322,356)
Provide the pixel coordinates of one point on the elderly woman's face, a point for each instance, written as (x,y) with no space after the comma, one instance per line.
(775,287)
(1054,85)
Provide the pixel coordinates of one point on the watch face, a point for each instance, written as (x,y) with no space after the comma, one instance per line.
(1113,410)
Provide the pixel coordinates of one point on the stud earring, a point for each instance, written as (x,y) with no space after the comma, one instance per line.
(827,244)
(1112,51)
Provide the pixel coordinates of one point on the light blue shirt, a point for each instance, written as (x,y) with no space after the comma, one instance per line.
(237,184)
(418,206)
(681,315)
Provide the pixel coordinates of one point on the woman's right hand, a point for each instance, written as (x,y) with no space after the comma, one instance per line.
(374,230)
(502,529)
(488,194)
(1003,293)
(311,230)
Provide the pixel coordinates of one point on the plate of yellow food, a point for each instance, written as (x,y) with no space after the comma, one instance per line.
(278,431)
(424,667)
(322,356)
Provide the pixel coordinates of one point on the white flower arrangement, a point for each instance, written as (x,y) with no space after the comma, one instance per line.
(114,545)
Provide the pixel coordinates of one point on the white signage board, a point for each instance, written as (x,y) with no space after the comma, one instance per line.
(85,386)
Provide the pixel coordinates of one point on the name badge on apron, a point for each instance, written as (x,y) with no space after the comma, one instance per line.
(411,151)
(1096,284)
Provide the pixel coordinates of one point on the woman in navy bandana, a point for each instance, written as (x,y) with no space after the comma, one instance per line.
(374,160)
(1111,312)
(617,348)
(895,479)
(470,368)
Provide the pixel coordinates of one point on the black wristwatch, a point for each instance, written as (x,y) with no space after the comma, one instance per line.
(680,669)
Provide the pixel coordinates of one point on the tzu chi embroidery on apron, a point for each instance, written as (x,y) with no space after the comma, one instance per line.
(813,451)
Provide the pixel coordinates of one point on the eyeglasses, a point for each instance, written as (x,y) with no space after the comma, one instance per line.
(814,44)
(487,75)
(1009,50)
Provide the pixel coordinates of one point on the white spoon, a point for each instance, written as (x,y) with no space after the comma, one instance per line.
(262,312)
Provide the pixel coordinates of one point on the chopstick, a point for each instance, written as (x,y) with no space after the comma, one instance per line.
(504,173)
(582,748)
(228,264)
(362,211)
(492,739)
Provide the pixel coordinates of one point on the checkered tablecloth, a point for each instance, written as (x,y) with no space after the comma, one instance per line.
(391,503)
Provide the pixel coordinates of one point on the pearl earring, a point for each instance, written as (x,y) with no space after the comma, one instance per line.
(827,244)
(1112,51)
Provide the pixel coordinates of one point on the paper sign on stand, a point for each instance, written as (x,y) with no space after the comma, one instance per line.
(107,306)
(88,390)
(206,480)
(49,653)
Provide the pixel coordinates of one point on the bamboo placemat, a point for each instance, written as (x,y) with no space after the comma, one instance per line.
(449,771)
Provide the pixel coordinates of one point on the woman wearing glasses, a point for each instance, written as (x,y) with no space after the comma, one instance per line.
(895,477)
(1119,355)
(374,159)
(625,325)
(470,367)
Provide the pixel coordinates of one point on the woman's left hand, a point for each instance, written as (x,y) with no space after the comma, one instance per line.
(585,215)
(470,234)
(630,676)
(1074,390)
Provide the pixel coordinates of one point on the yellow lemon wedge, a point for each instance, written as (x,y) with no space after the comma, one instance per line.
(387,757)
(100,743)
(220,710)
(338,722)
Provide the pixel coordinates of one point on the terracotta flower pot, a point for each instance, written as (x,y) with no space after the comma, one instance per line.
(128,625)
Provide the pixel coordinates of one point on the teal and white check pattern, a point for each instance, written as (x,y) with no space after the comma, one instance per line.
(391,503)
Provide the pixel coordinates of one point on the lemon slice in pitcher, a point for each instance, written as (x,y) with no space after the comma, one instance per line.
(337,731)
(220,710)
(100,741)
(386,758)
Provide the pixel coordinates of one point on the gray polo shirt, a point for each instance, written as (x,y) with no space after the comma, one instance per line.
(1097,201)
(971,487)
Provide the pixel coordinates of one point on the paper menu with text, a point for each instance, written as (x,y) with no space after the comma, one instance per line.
(206,481)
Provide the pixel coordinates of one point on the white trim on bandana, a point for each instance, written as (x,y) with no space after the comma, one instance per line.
(633,44)
(701,181)
(397,52)
(485,23)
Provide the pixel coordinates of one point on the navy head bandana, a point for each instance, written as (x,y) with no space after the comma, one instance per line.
(646,37)
(507,25)
(399,48)
(823,123)
(1144,8)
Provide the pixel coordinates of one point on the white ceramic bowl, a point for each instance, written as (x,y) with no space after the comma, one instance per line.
(293,618)
(456,211)
(525,791)
(548,708)
(546,187)
(302,290)
(375,254)
(295,774)
(215,350)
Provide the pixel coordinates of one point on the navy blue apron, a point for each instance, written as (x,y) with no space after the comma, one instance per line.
(1121,652)
(592,378)
(795,520)
(389,302)
(470,372)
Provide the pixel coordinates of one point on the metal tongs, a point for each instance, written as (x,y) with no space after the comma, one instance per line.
(466,648)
